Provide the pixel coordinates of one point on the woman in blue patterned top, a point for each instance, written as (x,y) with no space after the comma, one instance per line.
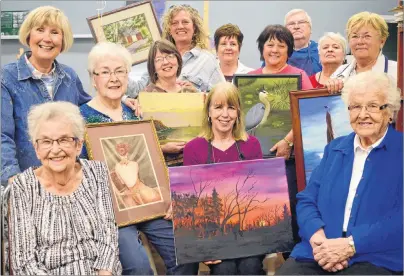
(108,66)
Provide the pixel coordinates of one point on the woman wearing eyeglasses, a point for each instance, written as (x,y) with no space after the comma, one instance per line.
(350,214)
(367,33)
(108,66)
(183,26)
(61,216)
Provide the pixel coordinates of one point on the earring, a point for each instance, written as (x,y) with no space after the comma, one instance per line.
(77,158)
(209,120)
(391,120)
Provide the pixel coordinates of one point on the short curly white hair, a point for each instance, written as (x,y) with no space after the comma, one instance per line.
(374,81)
(67,111)
(337,37)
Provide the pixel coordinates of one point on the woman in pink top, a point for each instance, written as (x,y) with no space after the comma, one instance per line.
(275,44)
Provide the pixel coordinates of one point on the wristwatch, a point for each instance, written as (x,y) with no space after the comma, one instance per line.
(290,144)
(351,243)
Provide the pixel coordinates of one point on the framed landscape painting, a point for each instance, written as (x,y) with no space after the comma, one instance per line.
(138,178)
(266,106)
(230,210)
(134,26)
(318,118)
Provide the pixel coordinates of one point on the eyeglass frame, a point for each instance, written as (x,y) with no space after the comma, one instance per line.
(75,139)
(110,74)
(172,57)
(380,107)
(365,37)
(298,23)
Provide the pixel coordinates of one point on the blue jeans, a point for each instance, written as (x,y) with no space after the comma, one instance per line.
(133,255)
(241,266)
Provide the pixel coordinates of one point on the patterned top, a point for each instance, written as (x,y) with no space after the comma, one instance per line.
(63,235)
(92,115)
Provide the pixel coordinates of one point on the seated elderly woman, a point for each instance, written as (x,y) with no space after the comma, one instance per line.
(108,66)
(332,50)
(228,40)
(351,213)
(224,139)
(61,216)
(367,33)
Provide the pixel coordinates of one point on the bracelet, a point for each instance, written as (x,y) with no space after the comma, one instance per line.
(290,144)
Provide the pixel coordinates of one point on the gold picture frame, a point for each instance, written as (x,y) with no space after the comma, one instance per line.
(134,26)
(139,181)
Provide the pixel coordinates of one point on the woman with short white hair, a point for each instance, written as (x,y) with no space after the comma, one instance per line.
(350,214)
(108,66)
(61,216)
(332,51)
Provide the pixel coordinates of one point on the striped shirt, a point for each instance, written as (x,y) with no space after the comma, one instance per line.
(63,235)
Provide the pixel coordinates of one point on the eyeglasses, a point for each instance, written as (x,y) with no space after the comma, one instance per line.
(106,74)
(372,108)
(169,58)
(357,37)
(63,142)
(298,23)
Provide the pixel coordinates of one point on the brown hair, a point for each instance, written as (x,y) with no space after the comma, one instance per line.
(166,47)
(232,96)
(228,30)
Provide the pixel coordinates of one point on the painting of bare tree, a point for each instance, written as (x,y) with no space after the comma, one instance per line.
(230,210)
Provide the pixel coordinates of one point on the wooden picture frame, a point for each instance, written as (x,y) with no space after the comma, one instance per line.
(138,177)
(267,117)
(134,26)
(318,117)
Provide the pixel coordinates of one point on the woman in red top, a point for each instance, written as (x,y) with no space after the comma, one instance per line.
(332,51)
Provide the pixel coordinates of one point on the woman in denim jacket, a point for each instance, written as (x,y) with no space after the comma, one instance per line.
(35,78)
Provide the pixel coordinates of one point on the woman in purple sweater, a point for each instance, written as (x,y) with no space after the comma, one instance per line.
(224,139)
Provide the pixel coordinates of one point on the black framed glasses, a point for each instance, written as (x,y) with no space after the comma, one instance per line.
(63,142)
(372,108)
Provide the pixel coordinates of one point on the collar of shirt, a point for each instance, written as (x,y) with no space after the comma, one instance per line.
(39,75)
(358,146)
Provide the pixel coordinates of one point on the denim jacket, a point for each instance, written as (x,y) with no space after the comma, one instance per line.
(19,92)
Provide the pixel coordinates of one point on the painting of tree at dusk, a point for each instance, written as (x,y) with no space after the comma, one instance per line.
(230,210)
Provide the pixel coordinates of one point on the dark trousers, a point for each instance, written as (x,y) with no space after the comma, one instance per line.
(241,266)
(293,267)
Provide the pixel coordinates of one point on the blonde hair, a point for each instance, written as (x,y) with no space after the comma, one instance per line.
(199,38)
(232,96)
(294,11)
(374,81)
(361,19)
(50,16)
(55,110)
(108,49)
(337,37)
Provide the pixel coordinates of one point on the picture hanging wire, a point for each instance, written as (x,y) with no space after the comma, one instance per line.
(101,5)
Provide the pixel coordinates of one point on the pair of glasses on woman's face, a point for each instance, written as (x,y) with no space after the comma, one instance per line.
(372,108)
(63,142)
(170,58)
(106,74)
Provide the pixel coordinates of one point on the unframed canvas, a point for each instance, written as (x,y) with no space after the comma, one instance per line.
(230,210)
(318,118)
(266,106)
(177,117)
